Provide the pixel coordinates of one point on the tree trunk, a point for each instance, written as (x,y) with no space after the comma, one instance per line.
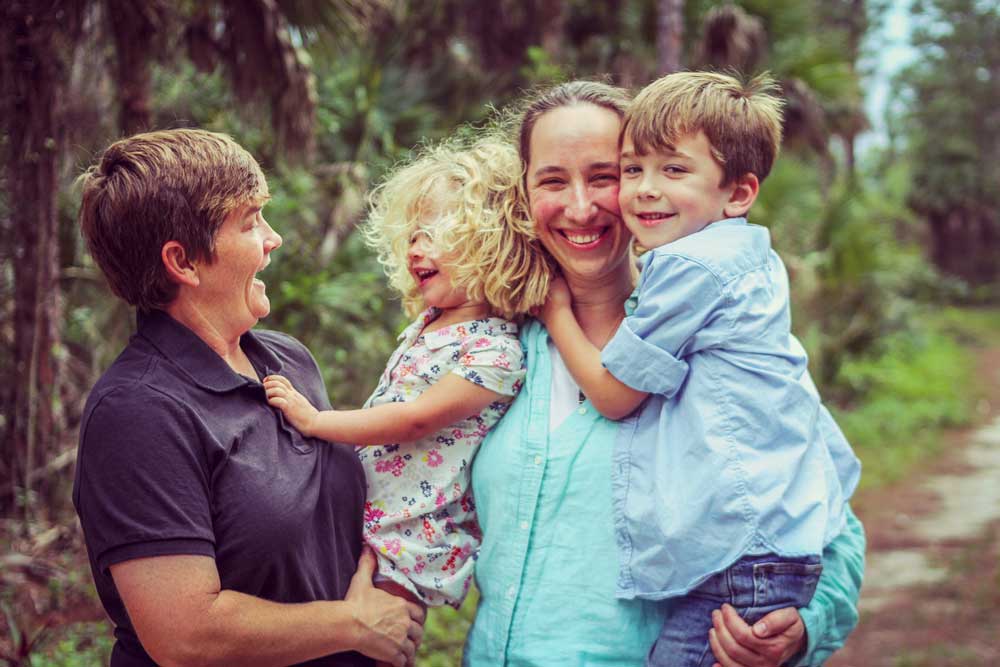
(134,26)
(669,35)
(31,76)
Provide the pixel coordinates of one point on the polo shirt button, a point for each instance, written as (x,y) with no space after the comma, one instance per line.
(582,411)
(510,592)
(524,525)
(538,460)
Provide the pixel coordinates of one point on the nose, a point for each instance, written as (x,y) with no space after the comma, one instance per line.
(580,208)
(648,188)
(272,240)
(418,247)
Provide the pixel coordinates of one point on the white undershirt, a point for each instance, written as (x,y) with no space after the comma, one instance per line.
(564,397)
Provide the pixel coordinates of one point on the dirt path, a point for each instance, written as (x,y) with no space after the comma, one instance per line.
(932,585)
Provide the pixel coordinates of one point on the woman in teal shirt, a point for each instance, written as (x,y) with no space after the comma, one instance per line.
(542,479)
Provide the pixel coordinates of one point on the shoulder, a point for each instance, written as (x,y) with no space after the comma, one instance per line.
(291,352)
(283,345)
(493,336)
(726,249)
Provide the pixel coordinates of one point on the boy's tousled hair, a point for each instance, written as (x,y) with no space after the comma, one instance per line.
(475,187)
(172,185)
(742,121)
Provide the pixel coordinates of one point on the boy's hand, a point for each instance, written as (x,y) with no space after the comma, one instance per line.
(558,300)
(298,410)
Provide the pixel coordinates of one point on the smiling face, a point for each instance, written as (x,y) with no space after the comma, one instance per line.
(670,193)
(228,284)
(572,183)
(429,265)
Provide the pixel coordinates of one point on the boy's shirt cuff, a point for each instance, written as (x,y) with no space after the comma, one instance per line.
(642,365)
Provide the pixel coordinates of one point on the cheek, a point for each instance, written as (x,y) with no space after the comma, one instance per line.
(544,209)
(607,199)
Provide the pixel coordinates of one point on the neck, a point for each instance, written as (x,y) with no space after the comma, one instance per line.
(225,345)
(464,313)
(599,306)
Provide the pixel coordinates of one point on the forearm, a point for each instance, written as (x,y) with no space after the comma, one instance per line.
(378,425)
(612,398)
(235,628)
(833,612)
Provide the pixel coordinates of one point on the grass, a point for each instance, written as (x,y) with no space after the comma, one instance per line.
(921,384)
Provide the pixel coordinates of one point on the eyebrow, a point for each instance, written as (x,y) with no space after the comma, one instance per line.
(554,169)
(549,170)
(670,152)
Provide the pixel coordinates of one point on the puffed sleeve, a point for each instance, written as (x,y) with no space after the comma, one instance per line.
(493,362)
(143,487)
(677,315)
(833,611)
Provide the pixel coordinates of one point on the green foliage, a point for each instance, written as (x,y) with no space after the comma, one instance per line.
(445,632)
(952,135)
(79,645)
(899,411)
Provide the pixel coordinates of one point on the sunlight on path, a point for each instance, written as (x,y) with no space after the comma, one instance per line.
(968,503)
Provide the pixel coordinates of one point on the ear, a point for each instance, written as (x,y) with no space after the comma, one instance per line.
(743,196)
(179,268)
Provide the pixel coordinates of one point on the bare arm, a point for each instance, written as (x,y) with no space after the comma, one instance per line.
(450,399)
(182,617)
(611,397)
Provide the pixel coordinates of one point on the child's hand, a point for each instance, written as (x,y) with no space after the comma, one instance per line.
(559,299)
(298,410)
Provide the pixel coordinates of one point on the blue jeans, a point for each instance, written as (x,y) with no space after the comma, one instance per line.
(754,585)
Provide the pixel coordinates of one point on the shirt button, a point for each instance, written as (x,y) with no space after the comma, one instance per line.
(582,411)
(524,525)
(510,592)
(538,460)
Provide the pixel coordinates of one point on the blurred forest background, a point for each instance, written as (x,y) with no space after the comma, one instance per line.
(893,249)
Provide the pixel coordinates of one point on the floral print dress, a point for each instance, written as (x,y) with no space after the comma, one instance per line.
(420,515)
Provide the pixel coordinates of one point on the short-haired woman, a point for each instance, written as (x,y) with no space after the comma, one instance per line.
(217,534)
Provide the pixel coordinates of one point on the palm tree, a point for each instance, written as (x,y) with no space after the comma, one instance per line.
(254,41)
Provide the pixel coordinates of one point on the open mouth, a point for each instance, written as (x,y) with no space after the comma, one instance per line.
(584,239)
(652,219)
(423,275)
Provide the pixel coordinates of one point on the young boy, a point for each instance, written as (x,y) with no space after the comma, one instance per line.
(733,477)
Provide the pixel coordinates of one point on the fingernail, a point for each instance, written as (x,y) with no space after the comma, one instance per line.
(760,628)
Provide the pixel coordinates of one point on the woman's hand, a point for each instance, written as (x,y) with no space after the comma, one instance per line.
(297,408)
(770,643)
(390,627)
(559,299)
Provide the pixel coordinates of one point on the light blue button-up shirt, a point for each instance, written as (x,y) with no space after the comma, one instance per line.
(548,562)
(733,453)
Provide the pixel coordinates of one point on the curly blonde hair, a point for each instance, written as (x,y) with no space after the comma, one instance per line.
(475,187)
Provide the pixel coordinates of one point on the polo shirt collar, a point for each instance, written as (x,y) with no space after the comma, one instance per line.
(189,353)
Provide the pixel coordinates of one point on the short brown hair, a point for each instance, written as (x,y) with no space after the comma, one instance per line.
(151,188)
(566,94)
(741,120)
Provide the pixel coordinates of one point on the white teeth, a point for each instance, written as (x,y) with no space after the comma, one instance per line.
(582,238)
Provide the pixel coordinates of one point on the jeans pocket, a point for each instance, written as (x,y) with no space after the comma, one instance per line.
(786,583)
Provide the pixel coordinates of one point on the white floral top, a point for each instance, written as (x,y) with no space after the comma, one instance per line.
(420,516)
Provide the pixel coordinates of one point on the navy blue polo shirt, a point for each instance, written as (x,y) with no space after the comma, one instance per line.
(179,454)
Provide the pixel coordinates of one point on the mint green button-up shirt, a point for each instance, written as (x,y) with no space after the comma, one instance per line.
(548,563)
